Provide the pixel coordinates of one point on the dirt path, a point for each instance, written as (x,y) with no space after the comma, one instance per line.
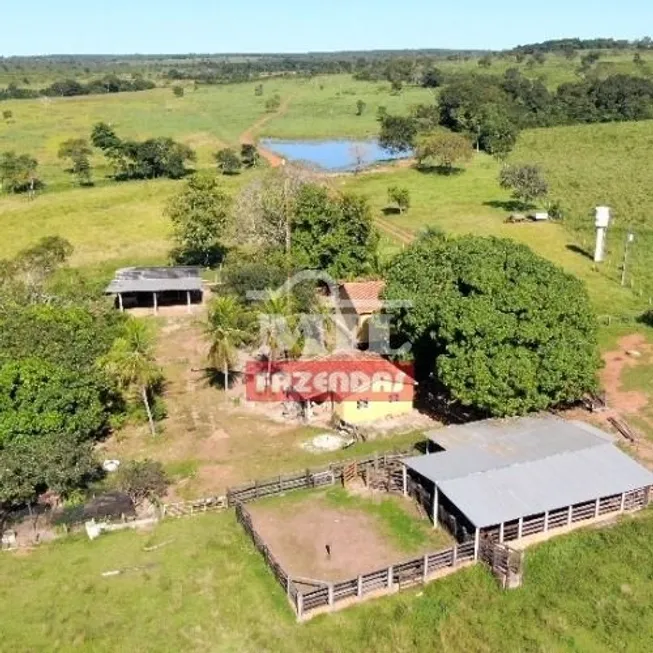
(401,234)
(249,135)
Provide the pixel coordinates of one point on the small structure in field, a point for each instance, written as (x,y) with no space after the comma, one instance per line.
(156,286)
(504,480)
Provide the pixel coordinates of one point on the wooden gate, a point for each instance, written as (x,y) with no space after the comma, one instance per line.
(349,473)
(506,563)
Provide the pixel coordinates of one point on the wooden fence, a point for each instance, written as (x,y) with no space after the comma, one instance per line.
(386,580)
(314,477)
(245,520)
(561,517)
(307,478)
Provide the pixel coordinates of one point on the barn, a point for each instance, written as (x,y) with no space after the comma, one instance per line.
(156,286)
(511,479)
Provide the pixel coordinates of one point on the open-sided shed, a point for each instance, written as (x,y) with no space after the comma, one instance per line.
(507,479)
(156,286)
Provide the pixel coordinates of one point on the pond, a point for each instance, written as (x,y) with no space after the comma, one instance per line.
(333,155)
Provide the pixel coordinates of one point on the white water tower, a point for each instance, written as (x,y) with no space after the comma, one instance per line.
(602,222)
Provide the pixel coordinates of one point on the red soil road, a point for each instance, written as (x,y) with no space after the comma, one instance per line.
(248,136)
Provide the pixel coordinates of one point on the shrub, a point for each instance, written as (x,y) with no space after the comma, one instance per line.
(142,479)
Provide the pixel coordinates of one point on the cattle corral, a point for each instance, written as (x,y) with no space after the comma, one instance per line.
(312,548)
(317,537)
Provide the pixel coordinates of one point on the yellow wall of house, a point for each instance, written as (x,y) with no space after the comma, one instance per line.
(349,411)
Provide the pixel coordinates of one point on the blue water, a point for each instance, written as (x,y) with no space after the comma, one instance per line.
(332,155)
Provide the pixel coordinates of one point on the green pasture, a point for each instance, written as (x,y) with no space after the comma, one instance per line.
(208,589)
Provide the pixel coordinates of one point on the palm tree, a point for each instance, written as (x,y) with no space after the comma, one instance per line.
(131,362)
(227,328)
(277,322)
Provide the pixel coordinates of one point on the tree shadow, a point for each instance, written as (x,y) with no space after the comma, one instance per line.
(509,205)
(580,250)
(444,171)
(215,378)
(390,210)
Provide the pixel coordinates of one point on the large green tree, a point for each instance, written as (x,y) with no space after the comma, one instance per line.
(200,216)
(398,133)
(445,148)
(527,183)
(333,232)
(18,173)
(78,151)
(504,330)
(40,399)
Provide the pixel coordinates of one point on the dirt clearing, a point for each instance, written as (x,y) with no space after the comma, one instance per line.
(298,533)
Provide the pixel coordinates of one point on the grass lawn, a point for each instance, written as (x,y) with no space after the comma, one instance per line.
(473,202)
(206,119)
(592,165)
(209,590)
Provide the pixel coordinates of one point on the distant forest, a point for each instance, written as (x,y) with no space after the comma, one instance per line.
(92,74)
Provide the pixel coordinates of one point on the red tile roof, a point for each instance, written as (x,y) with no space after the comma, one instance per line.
(363,295)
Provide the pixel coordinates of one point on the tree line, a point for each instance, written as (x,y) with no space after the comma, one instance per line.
(73,87)
(491,110)
(564,45)
(129,159)
(71,369)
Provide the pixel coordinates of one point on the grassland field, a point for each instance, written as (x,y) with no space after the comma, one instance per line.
(114,223)
(208,589)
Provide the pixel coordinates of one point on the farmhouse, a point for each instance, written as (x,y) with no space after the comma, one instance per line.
(357,386)
(156,286)
(358,301)
(509,479)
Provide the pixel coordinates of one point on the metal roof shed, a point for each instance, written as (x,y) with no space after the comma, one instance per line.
(500,495)
(155,281)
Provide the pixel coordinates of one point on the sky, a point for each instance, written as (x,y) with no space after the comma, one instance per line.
(218,26)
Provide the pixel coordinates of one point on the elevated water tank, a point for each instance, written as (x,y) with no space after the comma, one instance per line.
(602,217)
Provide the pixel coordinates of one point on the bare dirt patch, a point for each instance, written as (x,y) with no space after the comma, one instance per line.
(624,401)
(624,404)
(298,533)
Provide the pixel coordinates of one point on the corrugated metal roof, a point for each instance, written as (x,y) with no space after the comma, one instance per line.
(498,470)
(479,446)
(543,435)
(507,493)
(155,279)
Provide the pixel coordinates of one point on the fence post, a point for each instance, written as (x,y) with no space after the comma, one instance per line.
(390,574)
(330,593)
(454,556)
(426,567)
(300,605)
(359,590)
(570,511)
(597,508)
(622,506)
(287,585)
